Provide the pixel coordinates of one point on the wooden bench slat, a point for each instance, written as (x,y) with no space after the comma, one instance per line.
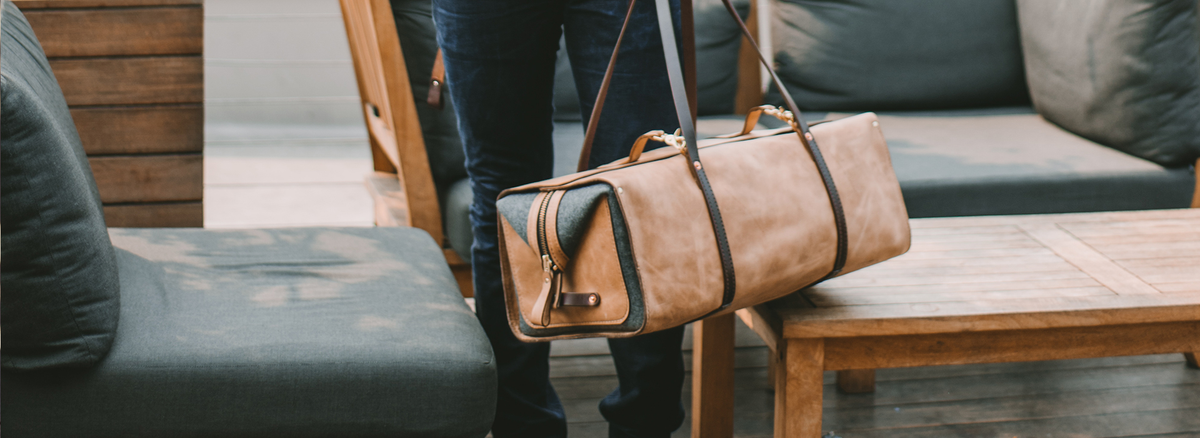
(1055,264)
(824,289)
(861,281)
(155,215)
(977,253)
(1009,346)
(904,263)
(149,178)
(120,31)
(1019,294)
(130,81)
(924,318)
(1089,260)
(1178,216)
(924,246)
(138,130)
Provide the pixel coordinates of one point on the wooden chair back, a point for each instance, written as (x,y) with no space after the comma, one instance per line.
(397,147)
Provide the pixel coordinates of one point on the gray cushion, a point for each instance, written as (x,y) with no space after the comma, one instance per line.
(898,55)
(456,206)
(718,41)
(1011,161)
(418,40)
(59,273)
(1124,73)
(348,332)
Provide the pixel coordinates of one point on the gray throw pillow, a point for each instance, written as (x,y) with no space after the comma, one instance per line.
(1122,73)
(57,267)
(876,55)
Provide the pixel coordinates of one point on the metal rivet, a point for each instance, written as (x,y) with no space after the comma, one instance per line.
(592,299)
(545,280)
(876,124)
(620,191)
(696,164)
(808,135)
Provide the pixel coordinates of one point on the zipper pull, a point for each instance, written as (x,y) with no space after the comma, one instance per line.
(548,297)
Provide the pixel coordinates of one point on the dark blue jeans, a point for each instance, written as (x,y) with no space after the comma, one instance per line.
(499,57)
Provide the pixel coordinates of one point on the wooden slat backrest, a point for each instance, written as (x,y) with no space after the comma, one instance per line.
(388,109)
(132,74)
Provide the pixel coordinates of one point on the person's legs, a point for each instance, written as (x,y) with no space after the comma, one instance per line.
(650,367)
(499,57)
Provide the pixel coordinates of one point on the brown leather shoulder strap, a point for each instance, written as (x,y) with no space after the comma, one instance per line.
(590,136)
(689,76)
(807,139)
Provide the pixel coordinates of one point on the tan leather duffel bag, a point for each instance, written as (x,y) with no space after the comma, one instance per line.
(681,233)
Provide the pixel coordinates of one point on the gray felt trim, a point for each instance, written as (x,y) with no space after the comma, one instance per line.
(574,210)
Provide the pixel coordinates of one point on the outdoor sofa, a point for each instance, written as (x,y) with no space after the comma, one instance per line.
(303,332)
(989,107)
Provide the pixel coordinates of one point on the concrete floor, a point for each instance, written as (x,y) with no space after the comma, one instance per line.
(284,138)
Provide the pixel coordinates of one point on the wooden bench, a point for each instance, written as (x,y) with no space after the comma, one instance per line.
(983,290)
(133,76)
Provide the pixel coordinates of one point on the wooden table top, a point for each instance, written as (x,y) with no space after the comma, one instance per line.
(1011,272)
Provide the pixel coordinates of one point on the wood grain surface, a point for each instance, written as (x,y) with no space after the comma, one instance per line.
(119,31)
(140,130)
(990,290)
(155,214)
(130,81)
(149,178)
(70,4)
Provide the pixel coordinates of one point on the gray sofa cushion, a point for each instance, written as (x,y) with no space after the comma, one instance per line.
(1124,73)
(59,274)
(718,41)
(898,55)
(348,332)
(456,206)
(1011,161)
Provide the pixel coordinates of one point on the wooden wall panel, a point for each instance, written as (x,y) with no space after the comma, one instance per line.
(119,32)
(64,4)
(130,81)
(132,72)
(149,178)
(167,214)
(140,130)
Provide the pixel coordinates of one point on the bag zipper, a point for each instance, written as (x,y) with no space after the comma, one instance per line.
(550,269)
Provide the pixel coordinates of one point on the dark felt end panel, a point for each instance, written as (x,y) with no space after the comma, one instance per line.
(1123,73)
(872,55)
(59,274)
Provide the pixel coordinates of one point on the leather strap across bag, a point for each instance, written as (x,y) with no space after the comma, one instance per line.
(680,233)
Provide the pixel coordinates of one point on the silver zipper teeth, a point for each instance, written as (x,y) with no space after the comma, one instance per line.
(543,242)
